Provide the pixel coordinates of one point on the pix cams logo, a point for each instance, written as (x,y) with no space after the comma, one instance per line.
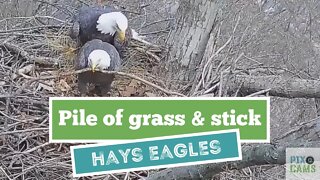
(302,164)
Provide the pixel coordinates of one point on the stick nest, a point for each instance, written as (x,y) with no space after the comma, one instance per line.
(29,50)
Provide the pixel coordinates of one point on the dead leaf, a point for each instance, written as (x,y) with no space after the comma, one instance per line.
(134,83)
(27,69)
(48,73)
(129,91)
(63,86)
(149,94)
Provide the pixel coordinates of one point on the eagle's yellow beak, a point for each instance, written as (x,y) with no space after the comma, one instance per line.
(93,67)
(122,36)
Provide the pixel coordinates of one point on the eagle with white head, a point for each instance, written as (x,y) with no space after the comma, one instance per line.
(107,24)
(97,55)
(110,23)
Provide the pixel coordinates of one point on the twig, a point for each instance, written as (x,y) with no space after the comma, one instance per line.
(4,172)
(32,35)
(156,32)
(155,22)
(17,50)
(83,2)
(105,72)
(221,84)
(24,54)
(149,53)
(37,147)
(22,131)
(35,17)
(31,28)
(14,119)
(201,82)
(212,88)
(136,36)
(36,165)
(259,92)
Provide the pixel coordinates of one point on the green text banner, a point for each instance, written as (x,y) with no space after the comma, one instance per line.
(82,119)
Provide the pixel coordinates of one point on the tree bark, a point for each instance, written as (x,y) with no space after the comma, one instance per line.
(188,41)
(279,86)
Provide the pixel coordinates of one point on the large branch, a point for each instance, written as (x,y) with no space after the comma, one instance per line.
(251,155)
(276,85)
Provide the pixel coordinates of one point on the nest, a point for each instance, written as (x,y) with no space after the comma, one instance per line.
(32,51)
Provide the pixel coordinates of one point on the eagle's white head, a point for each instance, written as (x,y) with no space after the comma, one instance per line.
(99,59)
(110,23)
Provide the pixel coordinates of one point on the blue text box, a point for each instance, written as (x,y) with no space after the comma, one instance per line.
(165,152)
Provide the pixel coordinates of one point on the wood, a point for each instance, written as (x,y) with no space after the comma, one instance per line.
(188,41)
(252,155)
(276,85)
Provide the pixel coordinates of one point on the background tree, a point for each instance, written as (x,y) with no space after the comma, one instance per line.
(233,49)
(195,21)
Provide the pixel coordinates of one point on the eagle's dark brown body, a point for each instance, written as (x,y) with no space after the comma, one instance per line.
(85,28)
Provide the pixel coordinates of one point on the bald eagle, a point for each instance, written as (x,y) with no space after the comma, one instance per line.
(107,24)
(97,55)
